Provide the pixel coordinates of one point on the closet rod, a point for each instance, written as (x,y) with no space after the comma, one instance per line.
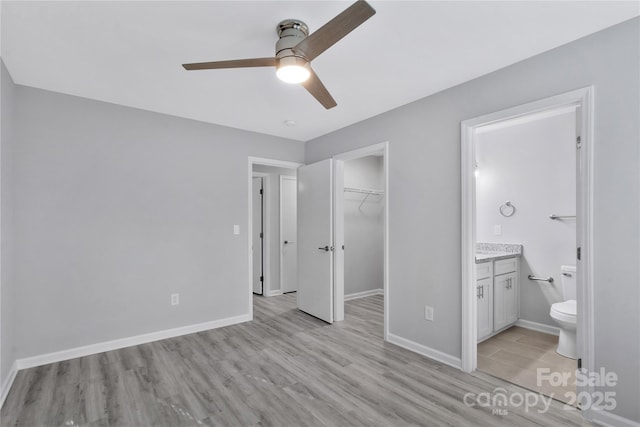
(362,190)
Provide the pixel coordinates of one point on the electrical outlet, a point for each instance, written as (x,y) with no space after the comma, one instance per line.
(175,299)
(428,313)
(497,230)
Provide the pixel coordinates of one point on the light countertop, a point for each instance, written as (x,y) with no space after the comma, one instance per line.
(486,252)
(492,256)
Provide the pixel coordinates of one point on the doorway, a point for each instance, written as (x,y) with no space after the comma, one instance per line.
(361,227)
(264,225)
(362,202)
(475,313)
(525,260)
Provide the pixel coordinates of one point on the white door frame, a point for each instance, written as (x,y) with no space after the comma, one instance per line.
(266,232)
(265,162)
(583,99)
(339,159)
(280,243)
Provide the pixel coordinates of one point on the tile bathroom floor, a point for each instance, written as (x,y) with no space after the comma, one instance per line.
(516,354)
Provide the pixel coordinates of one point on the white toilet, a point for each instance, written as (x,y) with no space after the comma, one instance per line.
(564,313)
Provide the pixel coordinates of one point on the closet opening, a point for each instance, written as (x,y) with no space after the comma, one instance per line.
(361,234)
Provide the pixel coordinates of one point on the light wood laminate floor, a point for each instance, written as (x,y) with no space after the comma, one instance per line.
(285,368)
(516,354)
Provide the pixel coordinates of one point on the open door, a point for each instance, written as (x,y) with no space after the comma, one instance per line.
(288,232)
(258,247)
(582,320)
(315,240)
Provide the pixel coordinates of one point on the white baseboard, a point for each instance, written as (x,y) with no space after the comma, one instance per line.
(540,327)
(364,294)
(8,382)
(274,293)
(429,352)
(72,353)
(606,418)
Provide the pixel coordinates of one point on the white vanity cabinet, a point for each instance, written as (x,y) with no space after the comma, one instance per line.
(497,295)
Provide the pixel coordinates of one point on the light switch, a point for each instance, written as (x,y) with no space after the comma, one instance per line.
(497,230)
(236,229)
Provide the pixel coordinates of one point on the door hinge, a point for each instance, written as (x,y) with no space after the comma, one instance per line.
(579,253)
(261,191)
(261,279)
(261,235)
(578,142)
(580,363)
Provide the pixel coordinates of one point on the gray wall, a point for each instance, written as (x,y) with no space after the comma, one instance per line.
(533,165)
(424,193)
(117,208)
(363,227)
(273,193)
(7,288)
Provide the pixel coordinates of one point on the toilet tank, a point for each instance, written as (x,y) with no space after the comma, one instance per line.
(568,281)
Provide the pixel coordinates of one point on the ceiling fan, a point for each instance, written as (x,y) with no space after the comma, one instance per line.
(296,49)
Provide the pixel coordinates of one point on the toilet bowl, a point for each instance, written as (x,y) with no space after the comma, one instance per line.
(564,314)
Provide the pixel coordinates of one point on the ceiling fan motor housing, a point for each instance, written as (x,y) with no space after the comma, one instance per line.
(291,32)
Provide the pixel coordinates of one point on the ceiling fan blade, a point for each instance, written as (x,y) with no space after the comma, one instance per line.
(235,63)
(334,30)
(319,92)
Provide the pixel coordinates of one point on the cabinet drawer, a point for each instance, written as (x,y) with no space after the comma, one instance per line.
(484,270)
(508,265)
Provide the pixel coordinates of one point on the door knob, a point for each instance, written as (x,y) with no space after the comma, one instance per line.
(326,248)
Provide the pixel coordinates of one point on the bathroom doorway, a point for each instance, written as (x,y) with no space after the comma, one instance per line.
(525,172)
(526,199)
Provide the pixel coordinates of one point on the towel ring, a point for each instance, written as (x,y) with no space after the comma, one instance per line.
(507,209)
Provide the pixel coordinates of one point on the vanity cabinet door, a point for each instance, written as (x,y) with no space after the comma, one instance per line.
(484,297)
(505,303)
(512,299)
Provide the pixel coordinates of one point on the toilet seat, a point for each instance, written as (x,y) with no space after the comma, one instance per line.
(564,311)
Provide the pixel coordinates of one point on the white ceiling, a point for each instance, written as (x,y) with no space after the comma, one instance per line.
(130,53)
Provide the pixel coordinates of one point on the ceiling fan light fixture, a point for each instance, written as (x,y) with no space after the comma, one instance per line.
(293,69)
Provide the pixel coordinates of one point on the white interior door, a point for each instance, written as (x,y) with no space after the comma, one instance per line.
(315,240)
(289,232)
(256,197)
